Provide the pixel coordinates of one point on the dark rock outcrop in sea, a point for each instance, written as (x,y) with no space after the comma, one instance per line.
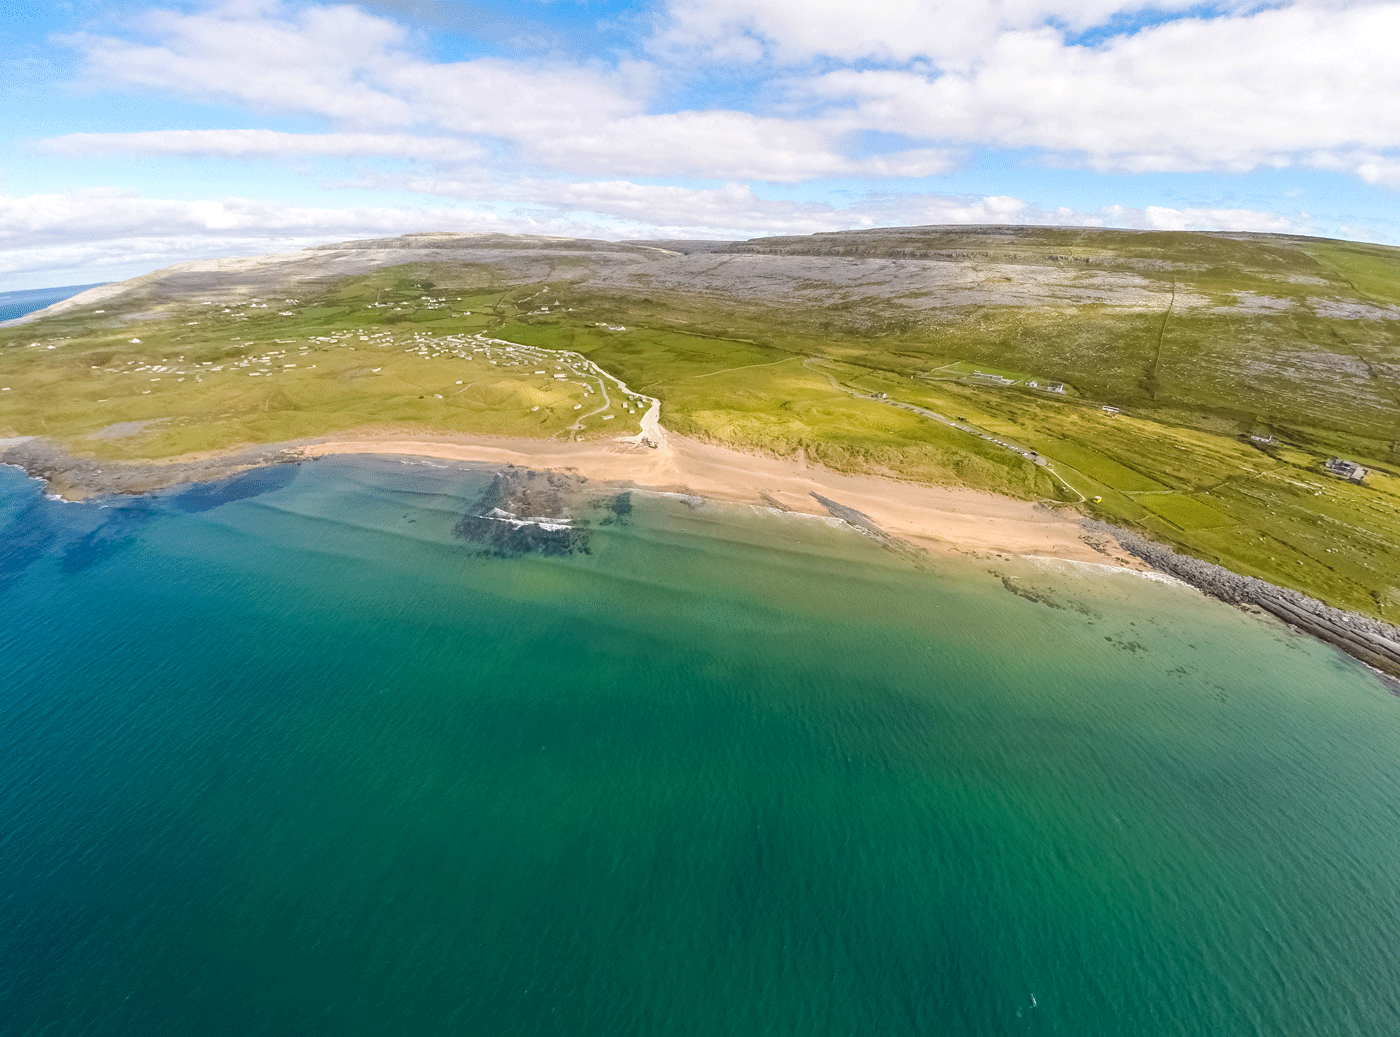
(1372,641)
(524,512)
(861,521)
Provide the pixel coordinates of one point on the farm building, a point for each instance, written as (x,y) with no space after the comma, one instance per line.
(1348,470)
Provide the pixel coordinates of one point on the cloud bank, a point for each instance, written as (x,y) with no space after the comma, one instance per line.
(709,117)
(1308,84)
(114,234)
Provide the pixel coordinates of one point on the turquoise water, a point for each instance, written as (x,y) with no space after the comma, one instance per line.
(289,759)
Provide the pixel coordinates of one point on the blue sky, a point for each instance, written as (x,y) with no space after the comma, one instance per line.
(140,136)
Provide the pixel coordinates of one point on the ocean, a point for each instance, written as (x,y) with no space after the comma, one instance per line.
(18,303)
(289,756)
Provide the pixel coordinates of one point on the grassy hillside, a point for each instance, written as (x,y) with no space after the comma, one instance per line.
(1199,341)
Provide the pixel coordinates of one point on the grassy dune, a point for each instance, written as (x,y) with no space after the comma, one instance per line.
(1199,341)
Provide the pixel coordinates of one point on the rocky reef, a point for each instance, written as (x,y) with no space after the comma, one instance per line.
(1373,641)
(527,512)
(548,513)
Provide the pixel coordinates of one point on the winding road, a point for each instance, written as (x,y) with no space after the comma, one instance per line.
(962,426)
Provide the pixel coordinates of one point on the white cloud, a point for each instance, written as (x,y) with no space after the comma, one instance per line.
(735,210)
(1265,89)
(86,236)
(558,146)
(326,60)
(1157,217)
(722,145)
(516,100)
(267,144)
(353,69)
(712,144)
(1369,166)
(950,32)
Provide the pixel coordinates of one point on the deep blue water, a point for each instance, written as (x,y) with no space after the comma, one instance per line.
(282,756)
(18,303)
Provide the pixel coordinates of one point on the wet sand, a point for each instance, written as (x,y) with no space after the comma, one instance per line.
(928,516)
(933,517)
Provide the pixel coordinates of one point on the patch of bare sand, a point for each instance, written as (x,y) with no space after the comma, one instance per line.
(929,516)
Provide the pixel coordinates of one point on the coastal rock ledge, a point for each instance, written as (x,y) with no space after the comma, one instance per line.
(1372,641)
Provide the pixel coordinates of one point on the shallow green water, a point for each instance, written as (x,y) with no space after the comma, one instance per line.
(300,763)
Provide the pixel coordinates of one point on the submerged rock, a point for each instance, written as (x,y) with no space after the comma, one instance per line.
(616,508)
(1373,641)
(524,512)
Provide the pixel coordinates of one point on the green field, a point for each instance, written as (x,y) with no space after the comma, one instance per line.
(1184,511)
(377,352)
(1199,341)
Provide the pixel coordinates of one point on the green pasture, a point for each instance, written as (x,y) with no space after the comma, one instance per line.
(966,369)
(363,379)
(1370,269)
(1186,512)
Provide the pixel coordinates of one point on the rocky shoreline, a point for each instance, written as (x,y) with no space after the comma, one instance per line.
(76,477)
(1372,641)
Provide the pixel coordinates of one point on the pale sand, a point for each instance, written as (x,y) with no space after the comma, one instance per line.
(929,516)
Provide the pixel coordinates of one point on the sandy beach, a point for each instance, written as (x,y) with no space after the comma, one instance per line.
(938,518)
(933,517)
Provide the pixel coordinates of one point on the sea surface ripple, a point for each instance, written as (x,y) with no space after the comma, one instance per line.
(284,756)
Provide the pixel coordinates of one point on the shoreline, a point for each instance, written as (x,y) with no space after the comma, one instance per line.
(936,519)
(939,519)
(1368,640)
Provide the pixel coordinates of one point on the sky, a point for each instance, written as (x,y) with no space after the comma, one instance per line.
(138,136)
